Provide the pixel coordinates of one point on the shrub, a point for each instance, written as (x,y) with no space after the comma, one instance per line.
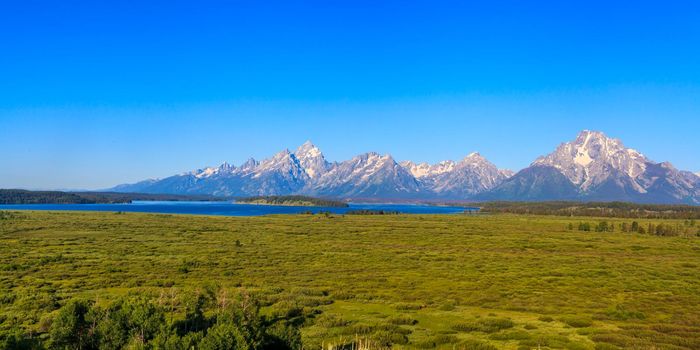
(186,266)
(343,295)
(487,325)
(388,338)
(511,335)
(362,329)
(447,306)
(403,320)
(620,313)
(475,345)
(408,306)
(286,309)
(331,320)
(577,321)
(139,322)
(444,339)
(71,325)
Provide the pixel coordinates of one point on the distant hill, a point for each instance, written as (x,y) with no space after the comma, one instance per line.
(302,201)
(12,196)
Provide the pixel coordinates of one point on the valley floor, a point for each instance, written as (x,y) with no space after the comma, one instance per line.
(414,281)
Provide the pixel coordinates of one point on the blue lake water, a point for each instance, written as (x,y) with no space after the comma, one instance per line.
(231,209)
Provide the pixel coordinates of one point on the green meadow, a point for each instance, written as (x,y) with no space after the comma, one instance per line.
(359,281)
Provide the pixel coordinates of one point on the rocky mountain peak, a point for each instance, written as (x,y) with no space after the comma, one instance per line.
(592,157)
(592,167)
(475,158)
(308,149)
(312,160)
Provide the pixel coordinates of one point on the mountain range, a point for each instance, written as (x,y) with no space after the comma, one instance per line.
(590,167)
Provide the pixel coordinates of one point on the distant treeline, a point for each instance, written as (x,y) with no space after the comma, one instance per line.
(293,200)
(58,197)
(599,209)
(686,228)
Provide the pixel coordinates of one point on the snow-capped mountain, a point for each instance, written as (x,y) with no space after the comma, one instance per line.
(593,158)
(369,175)
(596,167)
(591,167)
(312,160)
(425,170)
(306,171)
(454,180)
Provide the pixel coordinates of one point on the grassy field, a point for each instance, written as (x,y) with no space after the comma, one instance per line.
(415,281)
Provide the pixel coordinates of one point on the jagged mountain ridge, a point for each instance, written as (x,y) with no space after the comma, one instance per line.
(306,171)
(448,179)
(590,167)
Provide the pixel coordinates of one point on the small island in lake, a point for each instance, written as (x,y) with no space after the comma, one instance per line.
(300,201)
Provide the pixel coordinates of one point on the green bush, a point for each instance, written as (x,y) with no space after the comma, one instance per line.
(605,346)
(403,320)
(385,338)
(139,322)
(621,313)
(408,306)
(71,327)
(487,325)
(511,335)
(475,345)
(577,321)
(331,321)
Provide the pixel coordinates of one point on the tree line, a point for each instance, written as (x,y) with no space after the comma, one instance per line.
(685,228)
(597,209)
(59,197)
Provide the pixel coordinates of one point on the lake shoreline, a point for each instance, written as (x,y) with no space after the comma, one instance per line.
(232,209)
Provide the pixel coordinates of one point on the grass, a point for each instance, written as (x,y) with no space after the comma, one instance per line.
(411,281)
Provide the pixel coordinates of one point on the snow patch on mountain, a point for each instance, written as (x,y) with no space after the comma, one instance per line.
(600,168)
(592,157)
(449,179)
(425,170)
(312,160)
(591,167)
(366,176)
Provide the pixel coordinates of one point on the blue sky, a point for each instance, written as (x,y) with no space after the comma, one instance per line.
(95,94)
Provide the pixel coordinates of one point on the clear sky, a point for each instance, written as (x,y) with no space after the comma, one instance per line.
(95,94)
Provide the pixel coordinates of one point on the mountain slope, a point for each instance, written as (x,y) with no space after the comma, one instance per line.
(599,168)
(369,175)
(455,180)
(590,167)
(535,183)
(312,160)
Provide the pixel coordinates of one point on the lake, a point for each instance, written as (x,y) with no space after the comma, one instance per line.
(232,209)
